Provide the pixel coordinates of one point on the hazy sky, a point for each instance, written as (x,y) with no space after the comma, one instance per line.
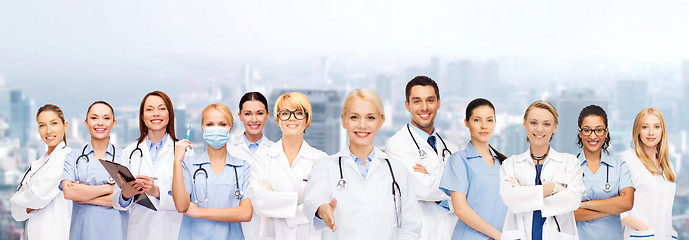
(94,46)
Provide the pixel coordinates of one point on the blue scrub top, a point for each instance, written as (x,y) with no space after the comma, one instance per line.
(221,194)
(92,221)
(609,227)
(466,172)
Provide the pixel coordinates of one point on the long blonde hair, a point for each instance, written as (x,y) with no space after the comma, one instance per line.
(662,149)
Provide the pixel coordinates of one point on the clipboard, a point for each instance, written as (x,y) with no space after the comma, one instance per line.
(114,168)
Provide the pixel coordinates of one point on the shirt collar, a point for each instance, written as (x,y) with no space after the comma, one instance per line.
(108,151)
(160,144)
(203,158)
(604,158)
(248,143)
(422,133)
(368,159)
(526,156)
(472,153)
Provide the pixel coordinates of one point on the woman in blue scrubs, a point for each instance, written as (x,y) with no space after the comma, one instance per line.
(609,187)
(86,182)
(472,178)
(211,188)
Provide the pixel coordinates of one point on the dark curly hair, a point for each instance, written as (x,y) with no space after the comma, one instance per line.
(594,110)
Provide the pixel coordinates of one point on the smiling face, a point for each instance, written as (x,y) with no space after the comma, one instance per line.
(156,115)
(254,116)
(423,106)
(540,126)
(481,124)
(651,131)
(362,121)
(100,120)
(292,126)
(593,143)
(51,128)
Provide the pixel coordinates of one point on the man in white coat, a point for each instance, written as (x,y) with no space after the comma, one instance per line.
(423,151)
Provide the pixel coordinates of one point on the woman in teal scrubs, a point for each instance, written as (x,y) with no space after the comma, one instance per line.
(609,187)
(86,182)
(472,178)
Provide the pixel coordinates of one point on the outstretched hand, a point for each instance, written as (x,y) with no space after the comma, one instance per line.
(325,212)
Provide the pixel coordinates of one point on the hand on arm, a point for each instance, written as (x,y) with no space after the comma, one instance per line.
(613,205)
(634,223)
(325,212)
(420,168)
(241,213)
(80,192)
(467,215)
(179,191)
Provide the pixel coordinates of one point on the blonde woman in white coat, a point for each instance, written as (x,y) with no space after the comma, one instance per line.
(38,201)
(280,172)
(541,187)
(654,179)
(350,192)
(150,158)
(253,112)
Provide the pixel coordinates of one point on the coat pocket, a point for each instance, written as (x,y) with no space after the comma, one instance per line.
(642,235)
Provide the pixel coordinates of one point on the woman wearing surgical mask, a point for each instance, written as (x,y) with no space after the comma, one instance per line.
(211,188)
(150,159)
(541,187)
(37,200)
(85,181)
(654,179)
(253,112)
(280,172)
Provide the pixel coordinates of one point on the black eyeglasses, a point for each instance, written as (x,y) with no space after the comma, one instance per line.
(598,131)
(285,115)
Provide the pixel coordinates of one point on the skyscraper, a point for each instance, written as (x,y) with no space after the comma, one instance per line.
(14,108)
(632,96)
(568,105)
(324,132)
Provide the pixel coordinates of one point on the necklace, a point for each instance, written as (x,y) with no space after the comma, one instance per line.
(539,158)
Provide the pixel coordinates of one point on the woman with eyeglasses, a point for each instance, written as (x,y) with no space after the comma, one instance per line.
(609,187)
(654,179)
(211,188)
(350,192)
(150,159)
(280,172)
(86,182)
(37,201)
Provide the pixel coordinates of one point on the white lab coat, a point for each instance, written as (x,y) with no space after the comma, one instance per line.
(438,222)
(143,222)
(366,209)
(240,150)
(52,217)
(275,188)
(653,200)
(522,200)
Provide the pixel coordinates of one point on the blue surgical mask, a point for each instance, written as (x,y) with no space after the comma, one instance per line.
(216,137)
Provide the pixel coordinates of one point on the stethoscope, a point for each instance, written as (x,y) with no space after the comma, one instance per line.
(396,192)
(83,154)
(141,157)
(422,153)
(607,187)
(239,193)
(21,182)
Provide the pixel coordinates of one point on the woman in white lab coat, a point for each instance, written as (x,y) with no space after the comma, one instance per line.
(150,158)
(654,179)
(541,187)
(253,112)
(280,172)
(359,193)
(38,201)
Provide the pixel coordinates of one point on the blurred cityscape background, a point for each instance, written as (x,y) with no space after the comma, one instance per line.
(621,55)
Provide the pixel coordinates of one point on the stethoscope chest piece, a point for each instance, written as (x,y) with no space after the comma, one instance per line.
(342,185)
(111,180)
(607,187)
(422,154)
(239,194)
